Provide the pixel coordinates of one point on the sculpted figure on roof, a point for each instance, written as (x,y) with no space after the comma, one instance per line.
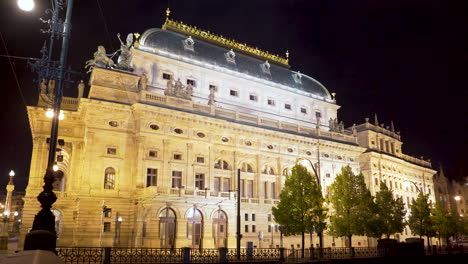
(125,57)
(169,88)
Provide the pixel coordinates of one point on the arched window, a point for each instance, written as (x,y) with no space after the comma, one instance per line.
(266,169)
(220,227)
(109,178)
(246,167)
(167,224)
(59,182)
(222,164)
(194,227)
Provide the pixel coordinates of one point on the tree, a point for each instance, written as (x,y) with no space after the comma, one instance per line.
(300,205)
(353,205)
(419,220)
(445,223)
(390,212)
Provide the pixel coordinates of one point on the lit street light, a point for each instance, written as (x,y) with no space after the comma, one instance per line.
(26,5)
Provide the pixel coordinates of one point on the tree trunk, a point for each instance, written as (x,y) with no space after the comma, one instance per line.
(428,244)
(350,245)
(388,236)
(303,243)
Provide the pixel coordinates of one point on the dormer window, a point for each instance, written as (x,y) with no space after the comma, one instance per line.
(189,43)
(297,77)
(191,82)
(303,110)
(287,106)
(230,56)
(265,67)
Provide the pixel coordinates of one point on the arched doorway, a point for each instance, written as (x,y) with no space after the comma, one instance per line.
(194,227)
(167,224)
(220,227)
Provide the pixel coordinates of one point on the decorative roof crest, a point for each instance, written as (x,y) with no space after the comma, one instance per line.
(180,27)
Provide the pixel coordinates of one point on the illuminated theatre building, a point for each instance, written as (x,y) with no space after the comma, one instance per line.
(150,158)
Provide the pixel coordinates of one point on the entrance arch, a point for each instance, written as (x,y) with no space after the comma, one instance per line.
(195,227)
(220,228)
(167,230)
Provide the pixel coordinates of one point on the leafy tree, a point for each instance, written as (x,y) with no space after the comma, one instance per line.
(419,220)
(445,223)
(390,212)
(353,205)
(300,205)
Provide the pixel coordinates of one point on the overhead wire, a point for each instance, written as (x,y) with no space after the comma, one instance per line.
(18,86)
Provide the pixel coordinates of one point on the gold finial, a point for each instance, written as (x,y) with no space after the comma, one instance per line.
(168,12)
(287,54)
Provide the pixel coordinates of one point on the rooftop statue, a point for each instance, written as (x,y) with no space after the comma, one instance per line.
(211,99)
(125,57)
(100,60)
(169,88)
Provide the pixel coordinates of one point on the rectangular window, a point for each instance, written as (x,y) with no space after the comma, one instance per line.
(250,189)
(112,151)
(273,190)
(246,228)
(226,184)
(387,148)
(271,102)
(176,179)
(246,217)
(287,106)
(107,212)
(392,147)
(143,230)
(200,181)
(376,181)
(217,184)
(254,229)
(167,76)
(265,190)
(177,156)
(269,217)
(303,110)
(191,82)
(318,114)
(253,217)
(327,175)
(151,177)
(381,144)
(233,93)
(213,87)
(153,154)
(200,159)
(269,228)
(253,97)
(242,189)
(276,228)
(107,227)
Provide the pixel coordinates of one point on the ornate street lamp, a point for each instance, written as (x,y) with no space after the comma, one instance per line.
(43,235)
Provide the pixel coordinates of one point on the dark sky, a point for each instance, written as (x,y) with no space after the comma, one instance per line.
(404,60)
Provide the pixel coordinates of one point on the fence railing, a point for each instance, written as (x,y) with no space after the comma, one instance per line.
(108,255)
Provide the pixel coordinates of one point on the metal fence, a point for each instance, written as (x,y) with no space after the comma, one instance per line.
(98,255)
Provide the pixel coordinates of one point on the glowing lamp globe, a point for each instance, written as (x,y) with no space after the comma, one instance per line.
(26,5)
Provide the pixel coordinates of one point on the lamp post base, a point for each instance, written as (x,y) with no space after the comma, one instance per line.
(3,243)
(40,239)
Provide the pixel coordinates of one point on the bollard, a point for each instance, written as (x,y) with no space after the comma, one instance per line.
(185,255)
(107,255)
(223,255)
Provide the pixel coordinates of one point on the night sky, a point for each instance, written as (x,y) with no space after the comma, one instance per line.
(404,60)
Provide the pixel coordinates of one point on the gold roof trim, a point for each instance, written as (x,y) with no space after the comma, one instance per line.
(206,35)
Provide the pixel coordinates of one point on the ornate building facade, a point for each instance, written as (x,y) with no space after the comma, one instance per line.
(150,157)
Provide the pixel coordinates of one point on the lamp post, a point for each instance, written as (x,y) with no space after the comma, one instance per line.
(281,229)
(6,212)
(43,235)
(272,241)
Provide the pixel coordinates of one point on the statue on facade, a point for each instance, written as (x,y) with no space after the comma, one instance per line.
(211,98)
(188,92)
(143,82)
(125,57)
(81,87)
(169,88)
(43,86)
(100,60)
(51,88)
(179,87)
(341,127)
(354,129)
